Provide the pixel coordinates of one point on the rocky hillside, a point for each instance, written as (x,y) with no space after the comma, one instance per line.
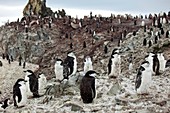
(41,40)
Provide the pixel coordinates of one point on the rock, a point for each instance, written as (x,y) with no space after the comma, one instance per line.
(142,111)
(37,7)
(74,106)
(114,89)
(55,89)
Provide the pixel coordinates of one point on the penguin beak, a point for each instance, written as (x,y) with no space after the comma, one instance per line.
(24,71)
(25,81)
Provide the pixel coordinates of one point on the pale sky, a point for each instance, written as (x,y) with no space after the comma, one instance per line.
(12,9)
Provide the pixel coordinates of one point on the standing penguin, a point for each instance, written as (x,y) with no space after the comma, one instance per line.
(1,64)
(143,78)
(87,87)
(71,45)
(20,58)
(130,62)
(114,64)
(156,64)
(32,83)
(59,70)
(71,62)
(149,58)
(7,57)
(24,64)
(84,44)
(87,64)
(20,93)
(150,43)
(4,104)
(42,83)
(156,39)
(162,61)
(167,34)
(3,56)
(144,42)
(143,23)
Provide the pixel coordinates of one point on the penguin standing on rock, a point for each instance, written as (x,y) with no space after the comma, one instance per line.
(59,70)
(70,68)
(130,62)
(84,44)
(42,83)
(20,93)
(156,64)
(156,39)
(32,83)
(71,62)
(20,58)
(167,34)
(143,78)
(114,64)
(1,64)
(149,43)
(87,87)
(149,58)
(144,42)
(162,61)
(3,56)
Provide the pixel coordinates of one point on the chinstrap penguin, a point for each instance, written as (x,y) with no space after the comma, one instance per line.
(59,70)
(42,84)
(143,78)
(87,87)
(20,93)
(32,83)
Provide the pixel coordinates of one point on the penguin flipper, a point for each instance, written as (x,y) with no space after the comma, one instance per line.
(138,78)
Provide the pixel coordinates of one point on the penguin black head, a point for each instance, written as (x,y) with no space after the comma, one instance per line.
(91,73)
(115,51)
(145,64)
(30,71)
(20,81)
(59,61)
(71,54)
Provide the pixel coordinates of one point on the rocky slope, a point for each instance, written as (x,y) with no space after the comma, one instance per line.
(42,44)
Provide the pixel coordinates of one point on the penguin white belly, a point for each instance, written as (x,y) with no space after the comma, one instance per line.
(42,83)
(162,65)
(113,69)
(75,67)
(145,83)
(29,93)
(23,96)
(150,60)
(59,72)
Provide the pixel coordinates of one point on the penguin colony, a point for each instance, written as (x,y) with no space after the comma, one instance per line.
(153,63)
